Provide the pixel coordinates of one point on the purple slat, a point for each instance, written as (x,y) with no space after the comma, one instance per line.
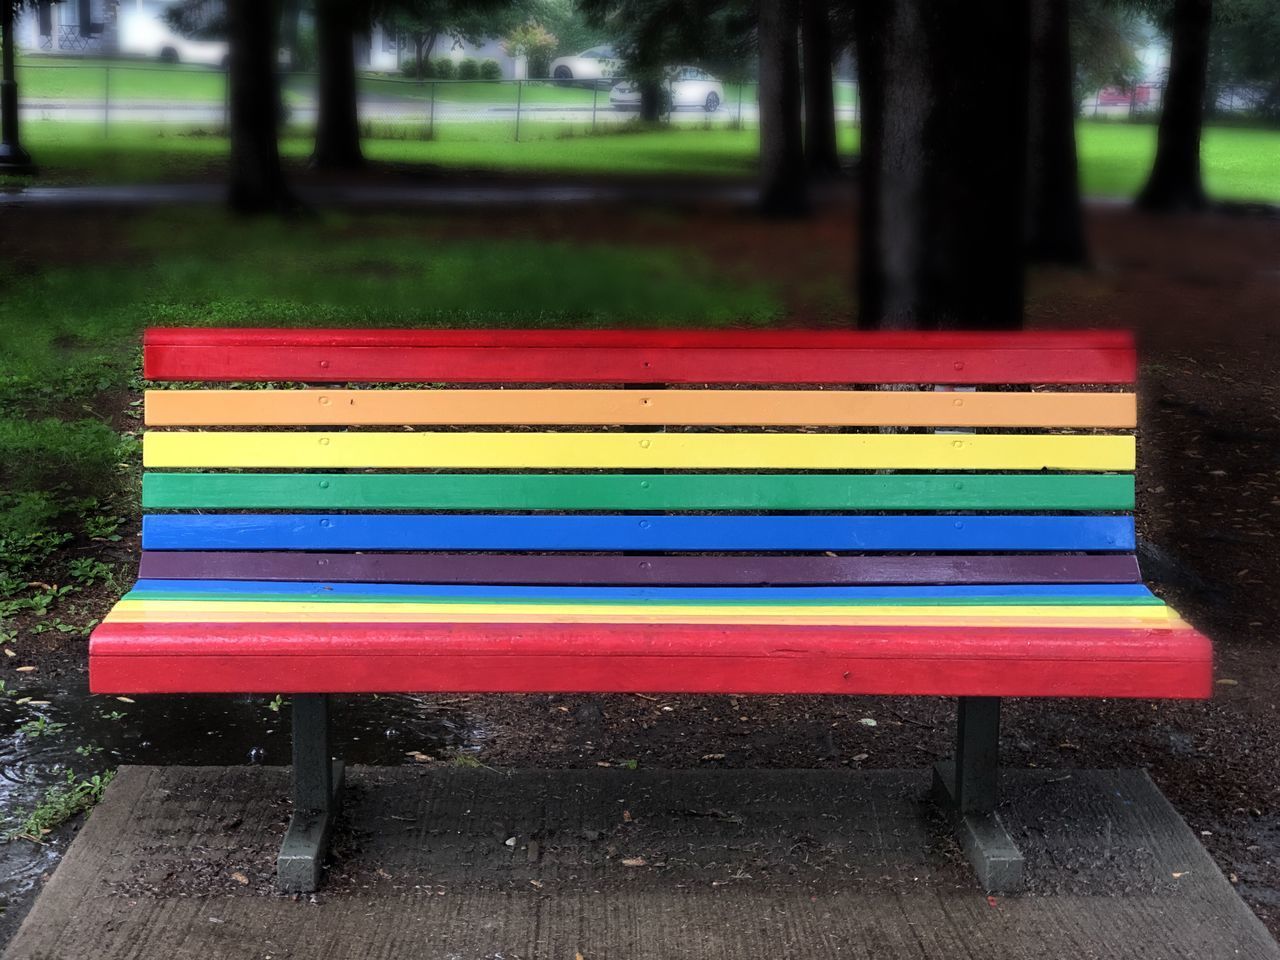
(622,570)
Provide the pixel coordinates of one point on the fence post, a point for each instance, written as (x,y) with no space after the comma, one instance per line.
(595,95)
(742,86)
(431,116)
(106,101)
(519,88)
(226,98)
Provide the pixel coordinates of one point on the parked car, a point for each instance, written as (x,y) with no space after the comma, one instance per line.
(144,34)
(687,87)
(597,65)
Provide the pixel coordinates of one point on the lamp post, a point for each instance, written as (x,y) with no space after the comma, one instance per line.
(13,159)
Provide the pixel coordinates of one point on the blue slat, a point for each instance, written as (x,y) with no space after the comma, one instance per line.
(257,531)
(1102,592)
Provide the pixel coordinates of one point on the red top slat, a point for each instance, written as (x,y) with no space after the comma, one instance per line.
(639,356)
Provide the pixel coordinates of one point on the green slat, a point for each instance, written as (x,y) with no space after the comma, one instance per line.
(443,491)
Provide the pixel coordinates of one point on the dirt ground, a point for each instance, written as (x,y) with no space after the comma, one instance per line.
(1204,295)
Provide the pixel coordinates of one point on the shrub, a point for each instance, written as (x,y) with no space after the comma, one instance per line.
(444,69)
(411,72)
(490,70)
(468,69)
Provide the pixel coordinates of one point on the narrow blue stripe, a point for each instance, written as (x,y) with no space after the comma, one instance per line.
(157,589)
(257,531)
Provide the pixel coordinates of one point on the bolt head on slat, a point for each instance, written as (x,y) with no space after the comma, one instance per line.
(644,443)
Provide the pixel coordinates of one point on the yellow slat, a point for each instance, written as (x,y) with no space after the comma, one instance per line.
(639,450)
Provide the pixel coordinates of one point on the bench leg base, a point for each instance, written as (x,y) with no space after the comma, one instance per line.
(983,838)
(302,853)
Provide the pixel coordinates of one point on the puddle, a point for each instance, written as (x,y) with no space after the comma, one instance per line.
(87,734)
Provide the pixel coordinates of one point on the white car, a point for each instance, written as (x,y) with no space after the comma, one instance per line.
(599,64)
(686,87)
(144,34)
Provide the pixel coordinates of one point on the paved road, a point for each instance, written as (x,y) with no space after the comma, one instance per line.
(381,109)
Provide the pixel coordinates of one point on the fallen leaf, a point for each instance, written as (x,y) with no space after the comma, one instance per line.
(713,756)
(510,842)
(1179,874)
(25,669)
(635,862)
(418,756)
(9,653)
(23,700)
(39,703)
(859,757)
(626,816)
(240,878)
(538,884)
(125,700)
(867,722)
(1228,682)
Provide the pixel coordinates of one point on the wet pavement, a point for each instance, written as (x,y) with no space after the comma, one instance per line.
(48,729)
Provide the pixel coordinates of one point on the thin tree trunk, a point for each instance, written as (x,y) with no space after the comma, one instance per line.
(290,11)
(821,156)
(783,182)
(943,163)
(651,100)
(338,125)
(1175,183)
(257,181)
(1055,224)
(13,159)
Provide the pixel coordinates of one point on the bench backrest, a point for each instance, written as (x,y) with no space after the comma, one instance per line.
(639,457)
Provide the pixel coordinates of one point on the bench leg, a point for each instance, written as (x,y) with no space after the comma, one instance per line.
(968,787)
(317,786)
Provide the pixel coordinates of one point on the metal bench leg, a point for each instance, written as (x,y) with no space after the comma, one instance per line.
(317,787)
(968,786)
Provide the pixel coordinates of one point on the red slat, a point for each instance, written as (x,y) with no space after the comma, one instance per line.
(622,356)
(606,658)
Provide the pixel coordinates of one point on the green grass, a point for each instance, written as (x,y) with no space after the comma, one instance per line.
(1239,163)
(532,93)
(60,803)
(49,78)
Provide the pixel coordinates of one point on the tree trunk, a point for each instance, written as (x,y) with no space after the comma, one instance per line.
(1055,223)
(13,159)
(783,183)
(257,181)
(943,163)
(1175,182)
(821,156)
(337,125)
(651,95)
(290,12)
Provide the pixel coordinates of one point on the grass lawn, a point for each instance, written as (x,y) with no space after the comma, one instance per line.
(1239,163)
(49,78)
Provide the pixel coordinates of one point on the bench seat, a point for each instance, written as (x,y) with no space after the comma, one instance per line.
(1112,640)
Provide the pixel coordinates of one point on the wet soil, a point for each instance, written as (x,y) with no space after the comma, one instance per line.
(1203,294)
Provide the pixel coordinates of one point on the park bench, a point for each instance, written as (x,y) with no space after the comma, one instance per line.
(643,511)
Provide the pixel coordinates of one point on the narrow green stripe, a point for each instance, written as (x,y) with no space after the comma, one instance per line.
(765,601)
(577,491)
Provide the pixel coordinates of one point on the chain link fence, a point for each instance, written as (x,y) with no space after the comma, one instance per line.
(111,93)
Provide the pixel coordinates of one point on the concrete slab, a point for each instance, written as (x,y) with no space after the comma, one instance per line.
(471,863)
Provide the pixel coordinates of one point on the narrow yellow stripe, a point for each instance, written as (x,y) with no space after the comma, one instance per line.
(1115,623)
(640,450)
(328,610)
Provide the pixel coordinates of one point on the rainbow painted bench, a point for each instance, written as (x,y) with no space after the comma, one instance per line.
(656,512)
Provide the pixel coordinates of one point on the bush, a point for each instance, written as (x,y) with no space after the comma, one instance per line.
(411,72)
(444,69)
(490,70)
(468,69)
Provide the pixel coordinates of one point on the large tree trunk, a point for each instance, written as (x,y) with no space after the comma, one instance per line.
(257,181)
(820,153)
(337,126)
(1055,224)
(13,159)
(943,163)
(783,186)
(1175,182)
